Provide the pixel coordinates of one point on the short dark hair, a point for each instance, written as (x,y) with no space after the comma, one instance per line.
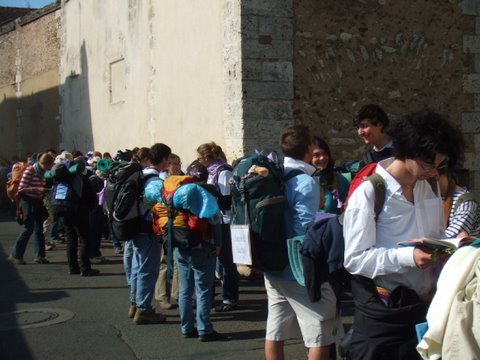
(423,134)
(295,141)
(372,112)
(159,152)
(198,170)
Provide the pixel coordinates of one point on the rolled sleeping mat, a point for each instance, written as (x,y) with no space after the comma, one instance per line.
(103,164)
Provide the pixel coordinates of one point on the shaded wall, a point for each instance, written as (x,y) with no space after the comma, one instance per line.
(29,81)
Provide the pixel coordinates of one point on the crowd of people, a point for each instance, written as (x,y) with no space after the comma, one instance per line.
(392,286)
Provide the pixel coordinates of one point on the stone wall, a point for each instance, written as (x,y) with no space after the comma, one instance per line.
(267,71)
(471,86)
(401,55)
(29,82)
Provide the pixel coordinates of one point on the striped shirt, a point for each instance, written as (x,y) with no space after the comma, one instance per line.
(463,217)
(33,177)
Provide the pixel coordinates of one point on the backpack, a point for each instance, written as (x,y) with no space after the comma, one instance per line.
(359,177)
(13,184)
(258,200)
(181,228)
(123,190)
(224,201)
(66,190)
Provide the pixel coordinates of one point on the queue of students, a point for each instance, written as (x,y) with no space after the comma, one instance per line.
(392,286)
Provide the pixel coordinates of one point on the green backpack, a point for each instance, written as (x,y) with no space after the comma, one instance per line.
(258,200)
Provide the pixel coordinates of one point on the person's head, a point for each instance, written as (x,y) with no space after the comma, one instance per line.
(174,165)
(322,157)
(427,143)
(198,170)
(296,142)
(29,158)
(52,152)
(77,153)
(46,161)
(371,123)
(210,152)
(143,156)
(107,155)
(159,154)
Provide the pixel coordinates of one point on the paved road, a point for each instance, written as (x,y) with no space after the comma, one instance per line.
(100,328)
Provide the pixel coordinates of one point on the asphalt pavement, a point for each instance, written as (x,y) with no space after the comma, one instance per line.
(45,313)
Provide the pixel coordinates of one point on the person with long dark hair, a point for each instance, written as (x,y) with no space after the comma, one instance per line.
(333,185)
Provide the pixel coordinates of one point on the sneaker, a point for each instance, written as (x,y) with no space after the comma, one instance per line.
(16,261)
(213,336)
(41,260)
(226,307)
(96,259)
(58,241)
(90,272)
(191,334)
(165,305)
(143,317)
(118,250)
(132,310)
(49,246)
(74,271)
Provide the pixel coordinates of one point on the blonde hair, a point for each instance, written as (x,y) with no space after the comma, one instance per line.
(212,151)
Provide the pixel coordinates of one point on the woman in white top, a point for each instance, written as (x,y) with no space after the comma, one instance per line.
(392,284)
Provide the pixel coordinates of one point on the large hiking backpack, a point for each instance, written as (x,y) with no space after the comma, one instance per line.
(123,190)
(14,182)
(181,227)
(258,200)
(66,190)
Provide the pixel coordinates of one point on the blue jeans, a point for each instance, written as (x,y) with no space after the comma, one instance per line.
(127,259)
(196,271)
(35,215)
(145,268)
(229,273)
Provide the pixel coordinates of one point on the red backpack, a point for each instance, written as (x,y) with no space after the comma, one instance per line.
(364,173)
(13,184)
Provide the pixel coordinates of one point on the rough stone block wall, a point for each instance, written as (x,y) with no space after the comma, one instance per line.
(268,74)
(403,55)
(470,120)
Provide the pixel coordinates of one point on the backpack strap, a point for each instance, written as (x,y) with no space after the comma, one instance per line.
(292,174)
(172,212)
(380,191)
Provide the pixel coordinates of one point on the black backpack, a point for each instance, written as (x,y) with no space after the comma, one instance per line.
(66,190)
(123,190)
(258,200)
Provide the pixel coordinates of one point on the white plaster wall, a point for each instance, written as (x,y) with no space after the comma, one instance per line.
(173,53)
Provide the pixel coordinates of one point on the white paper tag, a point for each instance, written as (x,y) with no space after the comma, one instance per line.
(61,193)
(241,249)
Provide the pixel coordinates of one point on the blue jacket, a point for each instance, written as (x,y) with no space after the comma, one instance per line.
(303,196)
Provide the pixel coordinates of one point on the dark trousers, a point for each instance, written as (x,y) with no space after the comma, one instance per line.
(77,229)
(97,223)
(230,274)
(381,331)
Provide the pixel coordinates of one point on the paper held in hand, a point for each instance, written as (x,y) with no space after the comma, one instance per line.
(439,243)
(241,247)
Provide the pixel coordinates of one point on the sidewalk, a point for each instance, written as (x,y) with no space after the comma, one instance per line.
(100,328)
